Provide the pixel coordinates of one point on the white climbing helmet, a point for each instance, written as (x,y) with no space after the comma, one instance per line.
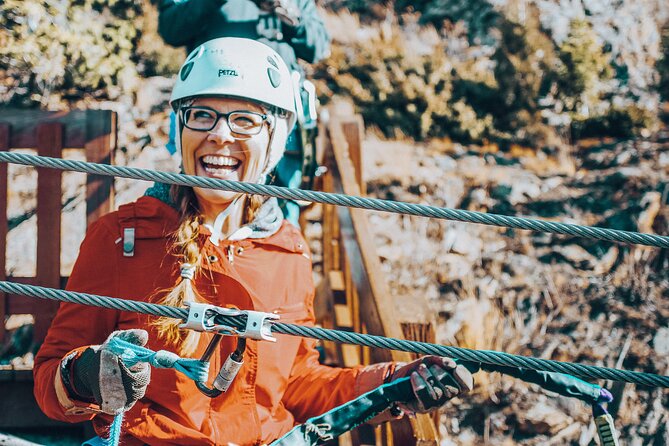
(239,68)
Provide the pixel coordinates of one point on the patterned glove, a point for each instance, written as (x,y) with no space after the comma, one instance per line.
(434,381)
(100,375)
(286,10)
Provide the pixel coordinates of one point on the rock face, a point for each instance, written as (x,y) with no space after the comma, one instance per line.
(549,296)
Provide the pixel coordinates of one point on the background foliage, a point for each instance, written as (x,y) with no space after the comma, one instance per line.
(67,49)
(490,73)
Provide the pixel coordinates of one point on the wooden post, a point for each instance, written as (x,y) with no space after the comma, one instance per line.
(49,143)
(376,303)
(4,146)
(353,133)
(100,141)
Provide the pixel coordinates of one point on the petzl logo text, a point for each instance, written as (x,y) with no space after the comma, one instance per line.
(227,73)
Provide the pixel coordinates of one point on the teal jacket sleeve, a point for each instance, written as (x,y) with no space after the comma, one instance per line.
(181,21)
(310,40)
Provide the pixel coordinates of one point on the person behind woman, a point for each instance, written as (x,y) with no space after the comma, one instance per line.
(235,108)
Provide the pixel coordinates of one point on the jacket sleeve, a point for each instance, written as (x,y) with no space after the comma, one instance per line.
(181,21)
(77,326)
(313,388)
(310,40)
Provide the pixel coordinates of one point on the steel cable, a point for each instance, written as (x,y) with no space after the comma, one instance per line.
(482,356)
(341,200)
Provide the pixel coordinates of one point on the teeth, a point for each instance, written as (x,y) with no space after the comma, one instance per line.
(219,160)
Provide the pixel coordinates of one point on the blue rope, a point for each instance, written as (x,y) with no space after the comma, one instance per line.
(132,354)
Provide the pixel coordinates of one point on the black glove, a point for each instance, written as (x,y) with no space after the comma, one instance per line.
(100,375)
(286,10)
(434,381)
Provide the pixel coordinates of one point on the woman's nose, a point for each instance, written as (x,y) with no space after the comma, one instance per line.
(221,132)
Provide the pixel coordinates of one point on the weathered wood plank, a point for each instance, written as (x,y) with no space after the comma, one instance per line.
(99,149)
(376,302)
(353,129)
(78,132)
(4,146)
(49,143)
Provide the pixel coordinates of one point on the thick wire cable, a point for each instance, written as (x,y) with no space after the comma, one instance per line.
(94,300)
(482,356)
(375,204)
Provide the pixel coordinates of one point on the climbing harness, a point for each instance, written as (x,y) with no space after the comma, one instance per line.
(367,406)
(614,235)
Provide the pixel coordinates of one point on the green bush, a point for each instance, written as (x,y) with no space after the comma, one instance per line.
(617,122)
(395,89)
(55,49)
(525,71)
(67,47)
(584,67)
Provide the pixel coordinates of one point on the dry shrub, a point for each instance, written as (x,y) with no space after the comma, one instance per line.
(398,89)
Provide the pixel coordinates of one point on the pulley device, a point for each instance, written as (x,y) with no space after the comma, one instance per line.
(206,318)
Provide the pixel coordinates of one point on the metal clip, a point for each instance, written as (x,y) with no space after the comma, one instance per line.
(202,317)
(258,326)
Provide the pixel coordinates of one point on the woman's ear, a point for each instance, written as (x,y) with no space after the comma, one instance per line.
(278,141)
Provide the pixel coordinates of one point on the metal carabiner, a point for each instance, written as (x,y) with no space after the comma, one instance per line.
(229,369)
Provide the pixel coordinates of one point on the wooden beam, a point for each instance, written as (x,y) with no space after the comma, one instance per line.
(376,302)
(99,149)
(18,408)
(78,132)
(4,147)
(49,143)
(353,130)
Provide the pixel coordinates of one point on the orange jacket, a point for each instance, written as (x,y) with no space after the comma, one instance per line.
(279,385)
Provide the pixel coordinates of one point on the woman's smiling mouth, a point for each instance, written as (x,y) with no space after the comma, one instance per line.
(219,165)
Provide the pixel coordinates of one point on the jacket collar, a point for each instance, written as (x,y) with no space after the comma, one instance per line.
(158,217)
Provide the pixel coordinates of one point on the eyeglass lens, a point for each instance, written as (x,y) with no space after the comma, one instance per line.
(242,122)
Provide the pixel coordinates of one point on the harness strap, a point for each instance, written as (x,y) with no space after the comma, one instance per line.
(347,416)
(362,409)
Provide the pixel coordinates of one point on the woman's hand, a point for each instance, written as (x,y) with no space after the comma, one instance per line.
(434,381)
(100,375)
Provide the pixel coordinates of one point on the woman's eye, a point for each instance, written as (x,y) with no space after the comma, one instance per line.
(202,115)
(246,121)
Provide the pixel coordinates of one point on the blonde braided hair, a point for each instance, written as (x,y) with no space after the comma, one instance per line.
(187,247)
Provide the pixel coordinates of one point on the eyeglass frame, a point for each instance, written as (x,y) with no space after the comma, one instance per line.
(265,118)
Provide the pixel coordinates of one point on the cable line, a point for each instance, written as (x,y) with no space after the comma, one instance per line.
(376,204)
(482,356)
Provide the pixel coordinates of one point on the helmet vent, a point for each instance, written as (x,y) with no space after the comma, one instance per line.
(272,62)
(185,70)
(274,77)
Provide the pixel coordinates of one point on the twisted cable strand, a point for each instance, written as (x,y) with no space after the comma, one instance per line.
(397,207)
(483,356)
(94,300)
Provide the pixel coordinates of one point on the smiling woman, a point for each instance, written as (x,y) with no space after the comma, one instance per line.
(235,107)
(233,148)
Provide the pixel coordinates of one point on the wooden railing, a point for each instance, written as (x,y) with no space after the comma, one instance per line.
(354,294)
(93,131)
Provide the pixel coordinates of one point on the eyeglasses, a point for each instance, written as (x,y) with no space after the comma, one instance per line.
(204,119)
